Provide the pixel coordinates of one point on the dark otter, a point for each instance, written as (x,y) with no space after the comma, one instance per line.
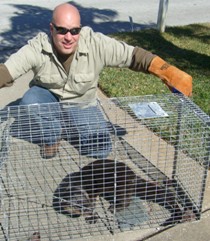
(77,193)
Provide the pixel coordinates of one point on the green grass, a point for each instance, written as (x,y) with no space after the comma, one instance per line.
(186,47)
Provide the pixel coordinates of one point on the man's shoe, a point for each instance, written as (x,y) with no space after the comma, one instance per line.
(49,151)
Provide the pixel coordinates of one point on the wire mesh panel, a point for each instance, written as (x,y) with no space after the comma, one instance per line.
(122,164)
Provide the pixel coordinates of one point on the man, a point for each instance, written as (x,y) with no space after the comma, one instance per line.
(66,67)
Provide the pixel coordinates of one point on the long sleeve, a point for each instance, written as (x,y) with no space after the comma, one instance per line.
(141,60)
(5,76)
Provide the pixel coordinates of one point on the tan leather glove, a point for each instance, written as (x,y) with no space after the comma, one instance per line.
(173,77)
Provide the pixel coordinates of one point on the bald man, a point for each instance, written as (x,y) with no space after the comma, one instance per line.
(66,67)
(65,15)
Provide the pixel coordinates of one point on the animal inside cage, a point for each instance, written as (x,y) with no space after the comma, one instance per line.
(123,164)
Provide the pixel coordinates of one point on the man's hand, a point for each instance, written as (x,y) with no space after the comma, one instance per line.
(173,77)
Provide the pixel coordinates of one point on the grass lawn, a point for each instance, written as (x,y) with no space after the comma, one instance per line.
(186,47)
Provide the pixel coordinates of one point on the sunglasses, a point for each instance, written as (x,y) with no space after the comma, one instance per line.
(64,31)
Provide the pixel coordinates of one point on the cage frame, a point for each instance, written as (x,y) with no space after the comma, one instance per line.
(118,102)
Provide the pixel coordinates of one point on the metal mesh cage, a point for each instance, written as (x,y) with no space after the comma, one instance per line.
(124,164)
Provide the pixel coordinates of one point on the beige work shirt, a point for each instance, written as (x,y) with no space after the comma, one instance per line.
(95,51)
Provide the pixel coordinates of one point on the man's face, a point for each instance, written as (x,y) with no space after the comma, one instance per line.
(65,36)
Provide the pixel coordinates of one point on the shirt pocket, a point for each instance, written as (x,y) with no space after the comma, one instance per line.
(50,77)
(81,83)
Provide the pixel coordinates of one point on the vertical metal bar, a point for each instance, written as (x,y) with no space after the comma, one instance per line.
(178,132)
(207,165)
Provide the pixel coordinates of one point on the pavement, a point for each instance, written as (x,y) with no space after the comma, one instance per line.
(22,19)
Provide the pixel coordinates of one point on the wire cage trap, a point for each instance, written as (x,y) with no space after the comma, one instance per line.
(123,164)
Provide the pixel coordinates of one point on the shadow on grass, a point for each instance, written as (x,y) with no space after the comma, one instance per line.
(195,31)
(184,58)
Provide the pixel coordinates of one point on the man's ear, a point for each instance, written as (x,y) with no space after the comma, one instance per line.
(51,28)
